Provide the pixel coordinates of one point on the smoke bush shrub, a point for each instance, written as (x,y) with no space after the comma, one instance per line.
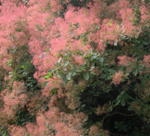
(72,68)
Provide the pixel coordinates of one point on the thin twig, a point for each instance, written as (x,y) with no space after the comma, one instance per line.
(117,113)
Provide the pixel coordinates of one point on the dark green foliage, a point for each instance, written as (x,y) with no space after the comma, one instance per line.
(23,71)
(3,131)
(23,116)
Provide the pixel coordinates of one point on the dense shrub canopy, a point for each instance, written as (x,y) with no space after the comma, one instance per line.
(74,67)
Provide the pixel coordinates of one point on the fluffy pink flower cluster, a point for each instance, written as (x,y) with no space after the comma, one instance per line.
(14,100)
(117,77)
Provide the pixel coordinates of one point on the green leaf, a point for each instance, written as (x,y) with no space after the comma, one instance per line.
(70,25)
(135,72)
(59,60)
(101,60)
(46,77)
(111,108)
(103,76)
(66,63)
(45,83)
(115,43)
(50,75)
(106,54)
(82,90)
(68,76)
(111,71)
(129,108)
(53,82)
(145,42)
(54,13)
(92,67)
(51,70)
(86,75)
(123,103)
